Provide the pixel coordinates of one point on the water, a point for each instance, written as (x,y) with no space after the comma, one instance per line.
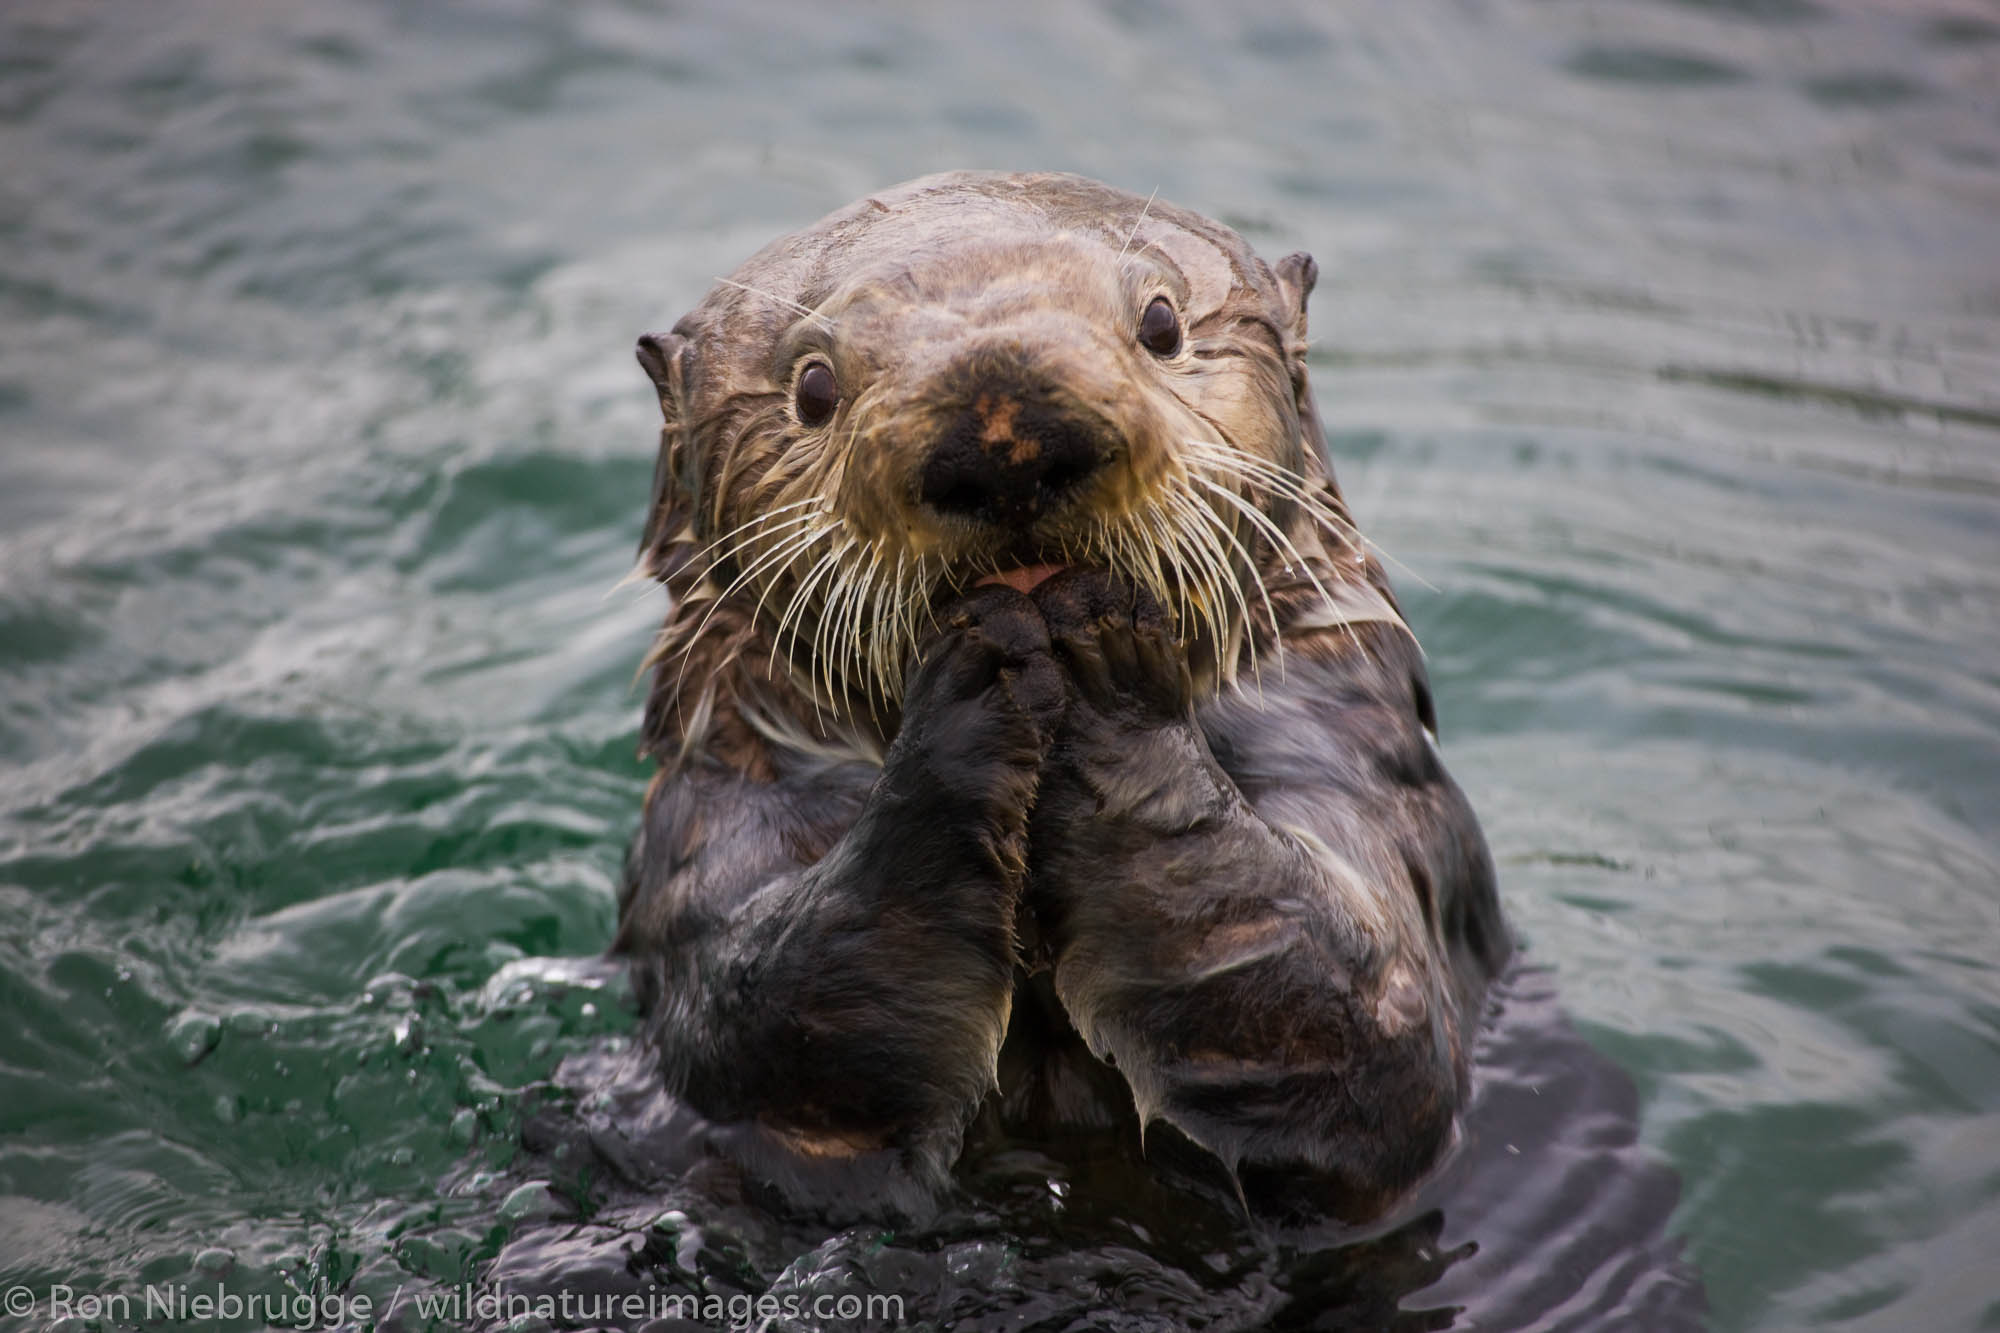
(1663,339)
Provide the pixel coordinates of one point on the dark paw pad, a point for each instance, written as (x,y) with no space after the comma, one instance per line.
(1004,621)
(1116,640)
(990,653)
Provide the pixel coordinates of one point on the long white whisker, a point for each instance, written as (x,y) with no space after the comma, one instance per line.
(1294,488)
(832,611)
(805,310)
(1272,531)
(1160,531)
(1201,523)
(868,610)
(762,519)
(887,644)
(639,573)
(1305,566)
(1249,566)
(1138,222)
(803,596)
(785,551)
(792,543)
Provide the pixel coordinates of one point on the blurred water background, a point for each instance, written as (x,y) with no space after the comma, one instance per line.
(1662,337)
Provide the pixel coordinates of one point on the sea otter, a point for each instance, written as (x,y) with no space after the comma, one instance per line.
(1038,740)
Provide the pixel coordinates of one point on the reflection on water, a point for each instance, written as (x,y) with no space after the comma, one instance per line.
(1662,337)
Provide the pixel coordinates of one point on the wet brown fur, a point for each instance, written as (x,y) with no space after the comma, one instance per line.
(1104,894)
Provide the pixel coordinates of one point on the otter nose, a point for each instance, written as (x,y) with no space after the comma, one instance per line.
(1008,460)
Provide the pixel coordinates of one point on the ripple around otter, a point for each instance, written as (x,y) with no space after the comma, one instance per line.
(323,451)
(1549,1216)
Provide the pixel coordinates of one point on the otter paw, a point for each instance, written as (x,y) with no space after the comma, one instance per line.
(1116,641)
(985,683)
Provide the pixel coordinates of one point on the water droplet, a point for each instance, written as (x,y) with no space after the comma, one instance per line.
(193,1035)
(529,1201)
(391,990)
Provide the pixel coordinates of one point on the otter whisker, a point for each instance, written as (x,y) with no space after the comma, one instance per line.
(805,310)
(1201,525)
(826,636)
(870,649)
(1277,536)
(787,550)
(868,609)
(1192,553)
(1153,573)
(782,552)
(893,622)
(891,643)
(794,548)
(1101,547)
(1138,221)
(1123,553)
(917,599)
(1271,531)
(640,572)
(1214,523)
(837,582)
(854,645)
(795,604)
(1231,635)
(1254,471)
(828,564)
(1160,533)
(1194,597)
(1295,488)
(759,522)
(796,521)
(706,589)
(1203,554)
(1287,483)
(844,604)
(888,643)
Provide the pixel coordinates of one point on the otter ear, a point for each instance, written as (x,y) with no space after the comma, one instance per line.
(660,356)
(664,357)
(1296,273)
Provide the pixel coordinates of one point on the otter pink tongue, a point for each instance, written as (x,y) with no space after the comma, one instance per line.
(1025,579)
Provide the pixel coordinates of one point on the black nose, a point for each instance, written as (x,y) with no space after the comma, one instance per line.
(1008,460)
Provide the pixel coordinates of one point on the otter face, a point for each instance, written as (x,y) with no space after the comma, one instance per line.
(979,378)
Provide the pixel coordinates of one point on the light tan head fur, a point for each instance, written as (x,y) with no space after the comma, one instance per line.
(995,410)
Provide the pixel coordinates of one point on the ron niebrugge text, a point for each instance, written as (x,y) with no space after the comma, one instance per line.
(176,1302)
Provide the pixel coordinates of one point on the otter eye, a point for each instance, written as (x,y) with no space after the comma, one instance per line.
(816,394)
(1160,327)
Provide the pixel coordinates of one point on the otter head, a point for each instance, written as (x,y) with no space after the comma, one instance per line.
(971,378)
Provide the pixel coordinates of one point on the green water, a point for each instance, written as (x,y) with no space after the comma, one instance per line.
(1661,339)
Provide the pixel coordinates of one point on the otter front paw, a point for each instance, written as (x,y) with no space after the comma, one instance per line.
(1130,765)
(981,705)
(1116,642)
